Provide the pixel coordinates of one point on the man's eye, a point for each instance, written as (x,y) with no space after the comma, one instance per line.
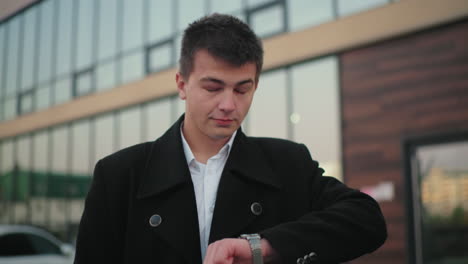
(212,89)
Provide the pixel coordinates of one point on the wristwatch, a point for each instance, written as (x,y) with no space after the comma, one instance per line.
(254,242)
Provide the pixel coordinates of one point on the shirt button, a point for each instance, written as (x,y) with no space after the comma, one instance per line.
(155,220)
(256,208)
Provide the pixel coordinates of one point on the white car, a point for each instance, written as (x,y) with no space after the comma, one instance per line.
(20,244)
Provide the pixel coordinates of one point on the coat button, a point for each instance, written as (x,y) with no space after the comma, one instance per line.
(155,220)
(256,208)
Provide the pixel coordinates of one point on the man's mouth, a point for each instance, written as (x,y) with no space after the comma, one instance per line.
(223,121)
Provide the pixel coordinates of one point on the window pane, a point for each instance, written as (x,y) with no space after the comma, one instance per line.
(178,108)
(189,11)
(316,101)
(84,83)
(129,127)
(306,13)
(158,118)
(348,7)
(63,90)
(105,76)
(64,38)
(80,148)
(85,33)
(104,132)
(6,157)
(2,58)
(132,24)
(29,48)
(225,7)
(43,97)
(265,120)
(27,103)
(60,150)
(10,108)
(160,57)
(12,55)
(441,202)
(47,10)
(132,67)
(268,21)
(160,20)
(107,45)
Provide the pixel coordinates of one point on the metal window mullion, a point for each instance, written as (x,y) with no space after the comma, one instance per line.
(119,40)
(19,72)
(36,58)
(73,46)
(55,32)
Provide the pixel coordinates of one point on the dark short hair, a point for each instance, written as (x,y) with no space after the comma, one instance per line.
(223,36)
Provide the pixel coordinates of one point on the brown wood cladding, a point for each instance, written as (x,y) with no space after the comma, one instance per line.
(414,85)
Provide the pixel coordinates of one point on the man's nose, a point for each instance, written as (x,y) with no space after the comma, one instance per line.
(227,103)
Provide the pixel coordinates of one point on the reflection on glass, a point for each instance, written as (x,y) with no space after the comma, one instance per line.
(268,21)
(107,37)
(39,169)
(443,181)
(189,11)
(268,113)
(60,150)
(315,100)
(47,11)
(63,90)
(2,56)
(64,36)
(306,13)
(12,55)
(132,67)
(6,178)
(158,120)
(132,24)
(348,7)
(129,127)
(85,33)
(23,177)
(29,48)
(57,187)
(105,75)
(160,20)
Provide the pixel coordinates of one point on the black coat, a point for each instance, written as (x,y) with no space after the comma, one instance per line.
(301,210)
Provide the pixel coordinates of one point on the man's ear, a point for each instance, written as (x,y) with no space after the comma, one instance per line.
(180,81)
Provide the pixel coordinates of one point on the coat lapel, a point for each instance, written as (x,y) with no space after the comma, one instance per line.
(246,176)
(167,190)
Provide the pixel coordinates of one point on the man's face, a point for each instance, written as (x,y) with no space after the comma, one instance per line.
(217,94)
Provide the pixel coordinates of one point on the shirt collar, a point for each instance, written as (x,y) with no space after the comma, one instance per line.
(189,154)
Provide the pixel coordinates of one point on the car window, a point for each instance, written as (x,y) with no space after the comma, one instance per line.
(15,245)
(43,246)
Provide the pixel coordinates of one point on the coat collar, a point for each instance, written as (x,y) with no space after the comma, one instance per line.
(167,161)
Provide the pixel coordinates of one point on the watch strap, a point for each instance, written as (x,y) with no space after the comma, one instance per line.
(255,246)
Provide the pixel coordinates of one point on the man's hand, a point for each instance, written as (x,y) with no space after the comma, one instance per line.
(236,251)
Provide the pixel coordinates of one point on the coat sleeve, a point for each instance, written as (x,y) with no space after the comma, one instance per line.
(97,241)
(342,223)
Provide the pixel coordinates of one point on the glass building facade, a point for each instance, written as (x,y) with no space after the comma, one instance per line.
(57,51)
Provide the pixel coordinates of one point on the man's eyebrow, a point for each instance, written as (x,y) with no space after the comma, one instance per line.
(211,79)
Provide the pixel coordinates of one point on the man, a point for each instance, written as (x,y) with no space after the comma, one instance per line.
(205,183)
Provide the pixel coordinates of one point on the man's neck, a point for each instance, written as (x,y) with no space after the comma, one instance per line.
(202,146)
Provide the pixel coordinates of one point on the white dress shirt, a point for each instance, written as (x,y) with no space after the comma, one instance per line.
(205,178)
